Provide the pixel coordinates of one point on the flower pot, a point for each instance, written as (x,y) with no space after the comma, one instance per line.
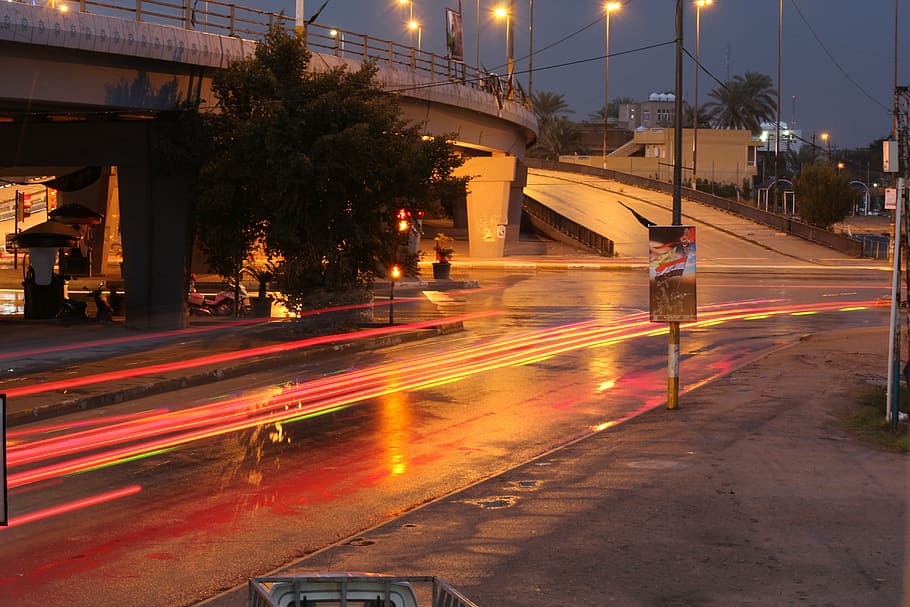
(262,307)
(441,270)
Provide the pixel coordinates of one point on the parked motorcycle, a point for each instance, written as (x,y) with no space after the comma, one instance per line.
(221,304)
(104,309)
(74,309)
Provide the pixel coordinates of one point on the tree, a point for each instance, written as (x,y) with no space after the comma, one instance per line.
(598,116)
(823,196)
(743,102)
(796,159)
(556,133)
(560,136)
(313,167)
(548,106)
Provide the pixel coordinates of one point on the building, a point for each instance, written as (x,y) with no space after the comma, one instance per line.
(658,111)
(724,156)
(790,138)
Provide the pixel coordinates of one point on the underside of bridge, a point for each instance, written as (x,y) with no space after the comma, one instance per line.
(154,219)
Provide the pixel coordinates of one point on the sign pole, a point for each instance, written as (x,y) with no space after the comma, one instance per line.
(673,347)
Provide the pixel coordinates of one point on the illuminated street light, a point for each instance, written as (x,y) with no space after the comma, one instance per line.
(410,20)
(502,12)
(413,25)
(609,7)
(825,138)
(698,6)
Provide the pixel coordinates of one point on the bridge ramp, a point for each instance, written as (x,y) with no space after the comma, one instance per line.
(723,237)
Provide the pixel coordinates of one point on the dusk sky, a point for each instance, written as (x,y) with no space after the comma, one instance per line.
(837,59)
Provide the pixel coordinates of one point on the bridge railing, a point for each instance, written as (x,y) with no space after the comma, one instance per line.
(228,19)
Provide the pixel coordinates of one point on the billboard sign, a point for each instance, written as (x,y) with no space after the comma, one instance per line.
(454,35)
(671,273)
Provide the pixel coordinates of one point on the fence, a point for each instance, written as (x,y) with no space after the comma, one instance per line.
(227,19)
(550,221)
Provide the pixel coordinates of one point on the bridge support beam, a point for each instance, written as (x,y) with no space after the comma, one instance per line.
(155,226)
(494,203)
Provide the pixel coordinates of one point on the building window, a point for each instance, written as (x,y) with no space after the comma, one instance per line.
(663,115)
(646,115)
(750,157)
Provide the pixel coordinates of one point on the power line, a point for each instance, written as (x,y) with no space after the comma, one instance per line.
(836,64)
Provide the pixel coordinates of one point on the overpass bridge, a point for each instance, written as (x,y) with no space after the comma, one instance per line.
(84,88)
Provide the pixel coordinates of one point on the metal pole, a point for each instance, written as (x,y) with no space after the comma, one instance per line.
(531,52)
(673,347)
(510,40)
(606,83)
(893,390)
(695,109)
(391,301)
(780,27)
(298,19)
(477,37)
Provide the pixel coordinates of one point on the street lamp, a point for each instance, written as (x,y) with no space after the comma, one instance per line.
(609,7)
(413,25)
(698,6)
(825,138)
(502,12)
(410,20)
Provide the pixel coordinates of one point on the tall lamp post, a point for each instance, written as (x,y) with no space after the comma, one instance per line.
(825,138)
(506,13)
(699,4)
(410,20)
(414,25)
(298,18)
(609,7)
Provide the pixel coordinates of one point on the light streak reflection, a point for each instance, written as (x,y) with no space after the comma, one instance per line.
(132,437)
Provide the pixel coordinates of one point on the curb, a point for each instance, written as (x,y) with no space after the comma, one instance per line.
(218,373)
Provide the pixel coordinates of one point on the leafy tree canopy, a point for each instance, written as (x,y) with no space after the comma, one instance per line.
(313,167)
(823,196)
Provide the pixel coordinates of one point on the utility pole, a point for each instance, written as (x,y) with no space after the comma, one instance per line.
(673,345)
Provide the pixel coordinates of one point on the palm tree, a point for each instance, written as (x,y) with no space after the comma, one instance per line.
(559,136)
(598,116)
(548,106)
(743,102)
(557,133)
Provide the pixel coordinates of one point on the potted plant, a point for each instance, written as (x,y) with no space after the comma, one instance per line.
(444,253)
(263,274)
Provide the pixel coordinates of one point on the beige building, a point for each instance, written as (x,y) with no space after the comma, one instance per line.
(724,156)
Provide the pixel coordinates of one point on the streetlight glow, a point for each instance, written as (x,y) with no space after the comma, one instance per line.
(501,12)
(609,7)
(414,25)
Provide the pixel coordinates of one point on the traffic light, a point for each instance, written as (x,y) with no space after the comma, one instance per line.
(51,199)
(26,205)
(404,223)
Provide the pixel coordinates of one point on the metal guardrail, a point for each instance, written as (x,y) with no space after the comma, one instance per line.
(783,223)
(577,233)
(228,19)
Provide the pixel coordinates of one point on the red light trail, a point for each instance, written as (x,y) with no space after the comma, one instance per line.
(120,439)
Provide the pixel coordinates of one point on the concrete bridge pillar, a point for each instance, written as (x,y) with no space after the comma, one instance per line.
(155,227)
(494,202)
